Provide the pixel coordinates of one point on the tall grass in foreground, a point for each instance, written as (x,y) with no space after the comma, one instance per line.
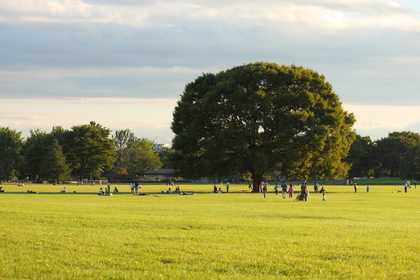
(209,236)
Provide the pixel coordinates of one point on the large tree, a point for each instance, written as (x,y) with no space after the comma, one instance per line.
(261,118)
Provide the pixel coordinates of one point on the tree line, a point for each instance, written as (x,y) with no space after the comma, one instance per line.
(90,151)
(86,151)
(397,155)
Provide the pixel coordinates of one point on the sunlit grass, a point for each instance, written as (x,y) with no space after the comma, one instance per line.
(208,236)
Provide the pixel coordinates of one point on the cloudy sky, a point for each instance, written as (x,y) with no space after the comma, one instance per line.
(124,63)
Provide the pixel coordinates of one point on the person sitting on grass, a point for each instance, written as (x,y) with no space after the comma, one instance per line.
(100,192)
(1,189)
(168,191)
(63,190)
(187,193)
(140,193)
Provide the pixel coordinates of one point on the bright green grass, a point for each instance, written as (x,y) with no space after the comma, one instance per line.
(208,236)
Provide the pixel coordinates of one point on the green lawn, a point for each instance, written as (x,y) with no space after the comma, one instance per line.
(238,235)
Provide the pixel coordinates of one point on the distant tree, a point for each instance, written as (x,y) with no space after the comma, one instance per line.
(261,118)
(390,150)
(140,155)
(54,165)
(165,158)
(410,164)
(121,139)
(361,157)
(10,152)
(35,149)
(89,150)
(133,154)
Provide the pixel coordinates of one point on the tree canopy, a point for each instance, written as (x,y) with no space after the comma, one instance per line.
(88,149)
(390,150)
(360,157)
(261,118)
(410,164)
(133,154)
(10,148)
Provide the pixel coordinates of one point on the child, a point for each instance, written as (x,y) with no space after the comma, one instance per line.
(323,197)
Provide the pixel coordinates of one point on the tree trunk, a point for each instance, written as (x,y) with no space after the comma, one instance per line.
(257,180)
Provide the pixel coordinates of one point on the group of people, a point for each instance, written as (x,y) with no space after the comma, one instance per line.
(134,187)
(107,190)
(317,189)
(167,191)
(289,190)
(286,190)
(215,190)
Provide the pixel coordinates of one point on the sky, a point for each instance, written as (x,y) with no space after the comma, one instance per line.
(124,63)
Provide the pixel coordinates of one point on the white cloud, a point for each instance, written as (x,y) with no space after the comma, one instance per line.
(98,49)
(325,14)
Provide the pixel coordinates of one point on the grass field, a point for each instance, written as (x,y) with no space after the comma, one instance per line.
(239,235)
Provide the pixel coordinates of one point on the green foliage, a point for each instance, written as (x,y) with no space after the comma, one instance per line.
(10,152)
(88,149)
(134,154)
(390,151)
(121,140)
(410,164)
(140,156)
(361,157)
(165,158)
(35,149)
(54,165)
(261,118)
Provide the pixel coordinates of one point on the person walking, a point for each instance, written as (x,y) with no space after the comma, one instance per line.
(264,188)
(283,189)
(355,187)
(406,186)
(306,193)
(291,190)
(316,186)
(276,188)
